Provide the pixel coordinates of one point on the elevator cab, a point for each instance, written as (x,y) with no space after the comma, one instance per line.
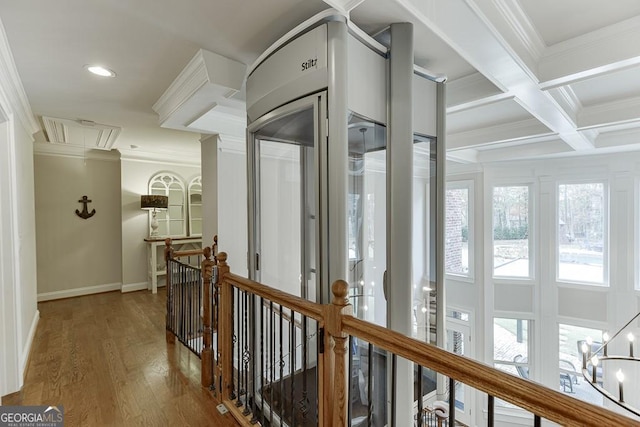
(319,173)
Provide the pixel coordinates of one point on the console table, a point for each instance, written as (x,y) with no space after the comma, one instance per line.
(156,262)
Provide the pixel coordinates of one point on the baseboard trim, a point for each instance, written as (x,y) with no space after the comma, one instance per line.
(25,356)
(87,290)
(132,287)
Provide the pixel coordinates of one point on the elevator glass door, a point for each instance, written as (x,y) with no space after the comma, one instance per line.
(367,195)
(284,240)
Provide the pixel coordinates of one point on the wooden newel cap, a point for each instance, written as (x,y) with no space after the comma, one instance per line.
(207,252)
(339,289)
(167,241)
(222,257)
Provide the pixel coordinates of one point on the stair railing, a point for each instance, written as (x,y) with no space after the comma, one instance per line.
(244,341)
(188,285)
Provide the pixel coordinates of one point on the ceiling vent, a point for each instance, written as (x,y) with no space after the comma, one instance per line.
(80,133)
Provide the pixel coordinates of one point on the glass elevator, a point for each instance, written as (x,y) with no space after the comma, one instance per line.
(345,181)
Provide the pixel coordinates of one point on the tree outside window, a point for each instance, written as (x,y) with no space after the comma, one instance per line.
(581,232)
(511,231)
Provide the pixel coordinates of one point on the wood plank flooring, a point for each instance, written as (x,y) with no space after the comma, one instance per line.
(105,359)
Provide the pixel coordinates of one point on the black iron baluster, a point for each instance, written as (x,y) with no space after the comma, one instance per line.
(490,411)
(281,362)
(254,393)
(246,356)
(303,400)
(537,421)
(272,351)
(239,318)
(292,365)
(419,395)
(369,385)
(452,402)
(233,395)
(349,378)
(197,318)
(394,386)
(262,372)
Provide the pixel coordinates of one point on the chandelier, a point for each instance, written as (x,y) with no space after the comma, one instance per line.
(598,356)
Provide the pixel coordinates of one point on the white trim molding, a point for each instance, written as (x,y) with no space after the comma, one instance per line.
(133,287)
(11,90)
(87,290)
(26,351)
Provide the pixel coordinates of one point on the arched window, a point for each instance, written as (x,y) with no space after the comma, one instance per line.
(195,207)
(171,222)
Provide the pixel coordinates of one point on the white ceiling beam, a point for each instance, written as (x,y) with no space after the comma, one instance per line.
(480,102)
(522,152)
(470,88)
(610,114)
(596,53)
(463,25)
(626,137)
(469,156)
(498,134)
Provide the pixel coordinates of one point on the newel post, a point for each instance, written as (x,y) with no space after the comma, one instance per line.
(336,362)
(225,327)
(206,371)
(168,254)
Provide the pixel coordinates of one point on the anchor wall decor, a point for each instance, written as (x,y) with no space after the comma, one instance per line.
(85,212)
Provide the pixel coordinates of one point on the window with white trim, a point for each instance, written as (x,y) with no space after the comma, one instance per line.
(582,236)
(511,350)
(511,248)
(458,257)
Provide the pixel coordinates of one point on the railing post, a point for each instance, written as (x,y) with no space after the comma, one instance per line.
(168,254)
(206,358)
(225,326)
(335,366)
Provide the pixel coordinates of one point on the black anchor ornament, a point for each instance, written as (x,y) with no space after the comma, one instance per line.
(85,212)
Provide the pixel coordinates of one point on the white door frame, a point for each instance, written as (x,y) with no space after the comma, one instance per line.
(10,369)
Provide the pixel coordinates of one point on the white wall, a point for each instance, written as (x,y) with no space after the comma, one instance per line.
(77,255)
(232,204)
(135,176)
(18,308)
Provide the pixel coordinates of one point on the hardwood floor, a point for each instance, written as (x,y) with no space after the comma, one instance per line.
(105,359)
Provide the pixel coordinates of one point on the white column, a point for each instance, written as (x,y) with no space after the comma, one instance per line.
(335,205)
(399,208)
(209,173)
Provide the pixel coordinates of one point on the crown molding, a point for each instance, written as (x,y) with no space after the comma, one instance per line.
(221,76)
(189,81)
(173,158)
(566,97)
(12,94)
(522,27)
(73,151)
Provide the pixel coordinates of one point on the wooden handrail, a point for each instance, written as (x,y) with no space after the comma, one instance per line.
(338,323)
(535,398)
(170,253)
(297,304)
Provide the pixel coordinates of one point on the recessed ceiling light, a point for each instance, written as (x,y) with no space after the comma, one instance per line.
(100,71)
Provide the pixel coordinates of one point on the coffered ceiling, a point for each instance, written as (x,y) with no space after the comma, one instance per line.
(526,78)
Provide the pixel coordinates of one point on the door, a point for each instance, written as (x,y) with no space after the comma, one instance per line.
(284,163)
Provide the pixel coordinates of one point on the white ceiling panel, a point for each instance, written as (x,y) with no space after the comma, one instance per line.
(608,87)
(492,114)
(560,20)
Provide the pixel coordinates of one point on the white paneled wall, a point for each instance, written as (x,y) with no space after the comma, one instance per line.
(543,298)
